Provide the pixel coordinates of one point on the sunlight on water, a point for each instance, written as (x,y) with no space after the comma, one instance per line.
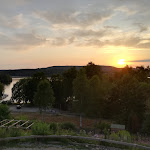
(9,87)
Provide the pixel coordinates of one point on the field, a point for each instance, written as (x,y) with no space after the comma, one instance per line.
(86,122)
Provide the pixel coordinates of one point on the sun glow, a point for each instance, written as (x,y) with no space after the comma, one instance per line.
(121,62)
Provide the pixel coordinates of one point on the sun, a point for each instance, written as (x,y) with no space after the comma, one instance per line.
(121,62)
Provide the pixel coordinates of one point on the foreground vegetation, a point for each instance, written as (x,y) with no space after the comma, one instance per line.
(44,129)
(100,130)
(122,96)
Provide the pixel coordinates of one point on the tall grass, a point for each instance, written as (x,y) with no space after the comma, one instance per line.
(40,128)
(3,133)
(15,132)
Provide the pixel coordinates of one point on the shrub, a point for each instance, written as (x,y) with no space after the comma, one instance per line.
(3,133)
(40,129)
(114,136)
(68,126)
(103,126)
(82,133)
(146,124)
(4,112)
(121,136)
(53,127)
(15,132)
(133,123)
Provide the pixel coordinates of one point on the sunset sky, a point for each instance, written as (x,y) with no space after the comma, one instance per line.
(43,33)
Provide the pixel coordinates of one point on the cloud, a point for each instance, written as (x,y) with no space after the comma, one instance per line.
(96,23)
(126,10)
(23,41)
(144,45)
(75,18)
(10,3)
(91,33)
(111,27)
(12,22)
(92,42)
(100,38)
(127,41)
(144,60)
(141,27)
(58,41)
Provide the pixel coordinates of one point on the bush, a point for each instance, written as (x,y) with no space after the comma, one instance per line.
(15,132)
(114,136)
(53,127)
(4,112)
(121,136)
(103,126)
(146,125)
(82,133)
(40,129)
(68,126)
(3,133)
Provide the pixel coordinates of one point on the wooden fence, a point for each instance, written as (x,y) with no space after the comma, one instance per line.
(22,124)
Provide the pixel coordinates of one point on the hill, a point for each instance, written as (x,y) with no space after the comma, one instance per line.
(51,70)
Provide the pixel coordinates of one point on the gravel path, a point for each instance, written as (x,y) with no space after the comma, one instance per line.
(50,148)
(56,146)
(60,148)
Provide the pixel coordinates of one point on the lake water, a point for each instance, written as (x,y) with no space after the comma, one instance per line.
(8,88)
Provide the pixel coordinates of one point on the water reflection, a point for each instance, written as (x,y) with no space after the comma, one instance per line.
(8,88)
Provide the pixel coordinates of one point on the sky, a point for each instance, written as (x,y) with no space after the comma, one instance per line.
(43,33)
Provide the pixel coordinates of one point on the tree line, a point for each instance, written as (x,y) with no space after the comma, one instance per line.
(123,96)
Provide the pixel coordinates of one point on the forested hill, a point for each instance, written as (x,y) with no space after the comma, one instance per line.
(51,70)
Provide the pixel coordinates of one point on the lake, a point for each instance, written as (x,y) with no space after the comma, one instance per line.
(9,87)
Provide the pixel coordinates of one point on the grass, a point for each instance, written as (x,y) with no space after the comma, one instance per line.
(40,128)
(4,133)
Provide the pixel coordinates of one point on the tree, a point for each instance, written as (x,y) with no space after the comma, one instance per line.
(5,78)
(32,85)
(142,73)
(56,82)
(129,96)
(25,89)
(44,97)
(18,93)
(39,76)
(146,121)
(1,90)
(96,97)
(4,112)
(80,90)
(68,77)
(146,124)
(92,69)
